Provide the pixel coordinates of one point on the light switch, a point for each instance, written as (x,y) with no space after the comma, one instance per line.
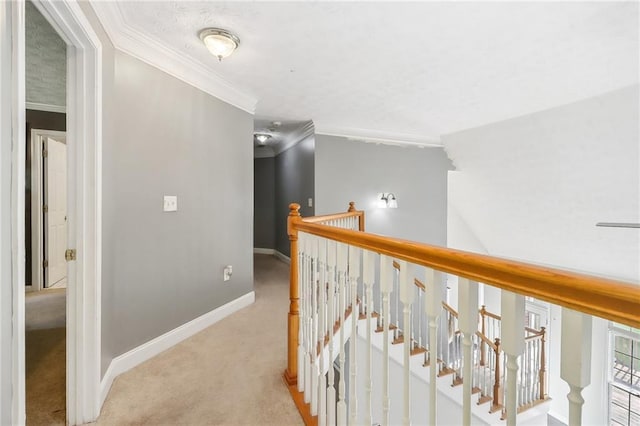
(310,202)
(170,203)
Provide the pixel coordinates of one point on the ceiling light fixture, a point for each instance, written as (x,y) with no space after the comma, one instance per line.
(221,43)
(262,138)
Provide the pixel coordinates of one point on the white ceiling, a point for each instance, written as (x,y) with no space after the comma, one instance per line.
(399,71)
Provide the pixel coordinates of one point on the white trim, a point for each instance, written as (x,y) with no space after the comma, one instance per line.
(264,251)
(148,350)
(286,259)
(46,107)
(379,137)
(169,60)
(297,136)
(18,126)
(84,141)
(37,201)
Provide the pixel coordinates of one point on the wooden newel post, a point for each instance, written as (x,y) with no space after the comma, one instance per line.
(291,373)
(352,208)
(543,368)
(497,389)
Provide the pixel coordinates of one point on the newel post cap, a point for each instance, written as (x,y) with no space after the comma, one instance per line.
(294,209)
(352,206)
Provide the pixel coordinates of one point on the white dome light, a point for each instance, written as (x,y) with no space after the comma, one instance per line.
(221,43)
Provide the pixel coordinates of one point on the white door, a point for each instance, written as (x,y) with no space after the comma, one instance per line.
(55,217)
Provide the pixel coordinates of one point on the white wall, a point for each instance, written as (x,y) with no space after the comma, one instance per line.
(533,188)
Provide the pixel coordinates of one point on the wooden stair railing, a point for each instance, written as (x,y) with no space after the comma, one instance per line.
(333,248)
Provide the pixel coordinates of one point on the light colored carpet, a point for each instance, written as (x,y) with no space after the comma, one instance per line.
(45,357)
(228,374)
(45,309)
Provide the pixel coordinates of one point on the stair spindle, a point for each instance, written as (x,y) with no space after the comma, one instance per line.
(331,390)
(406,295)
(341,409)
(368,276)
(512,339)
(468,323)
(386,286)
(354,274)
(322,382)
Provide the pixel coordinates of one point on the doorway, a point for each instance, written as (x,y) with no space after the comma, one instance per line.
(46,218)
(84,141)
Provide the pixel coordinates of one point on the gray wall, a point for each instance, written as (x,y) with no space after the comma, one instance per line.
(264,233)
(46,60)
(294,171)
(357,171)
(161,270)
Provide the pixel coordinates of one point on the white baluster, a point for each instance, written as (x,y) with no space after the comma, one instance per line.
(302,323)
(322,384)
(354,274)
(331,390)
(406,296)
(308,315)
(468,323)
(341,410)
(313,246)
(368,276)
(386,287)
(575,364)
(432,309)
(512,343)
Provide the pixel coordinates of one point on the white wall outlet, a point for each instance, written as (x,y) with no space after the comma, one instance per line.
(228,271)
(310,202)
(170,203)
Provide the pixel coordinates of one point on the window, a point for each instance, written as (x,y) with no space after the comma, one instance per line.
(624,383)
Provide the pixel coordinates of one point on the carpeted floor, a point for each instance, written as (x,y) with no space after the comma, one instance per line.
(229,374)
(45,357)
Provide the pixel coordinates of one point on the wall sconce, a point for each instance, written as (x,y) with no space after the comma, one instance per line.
(387,200)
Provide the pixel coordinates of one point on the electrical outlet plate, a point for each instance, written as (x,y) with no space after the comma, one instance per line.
(226,274)
(170,203)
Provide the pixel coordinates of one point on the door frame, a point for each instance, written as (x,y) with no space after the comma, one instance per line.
(37,201)
(84,144)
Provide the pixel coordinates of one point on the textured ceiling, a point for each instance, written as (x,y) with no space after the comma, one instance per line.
(410,71)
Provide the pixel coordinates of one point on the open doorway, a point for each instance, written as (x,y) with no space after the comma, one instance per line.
(46,219)
(84,153)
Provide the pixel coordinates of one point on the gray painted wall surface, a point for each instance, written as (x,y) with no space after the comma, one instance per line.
(357,171)
(46,60)
(161,270)
(294,171)
(264,234)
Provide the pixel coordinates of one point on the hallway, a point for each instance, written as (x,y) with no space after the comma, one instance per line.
(229,374)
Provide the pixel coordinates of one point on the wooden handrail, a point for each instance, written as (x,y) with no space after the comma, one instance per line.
(488,341)
(614,300)
(352,212)
(450,309)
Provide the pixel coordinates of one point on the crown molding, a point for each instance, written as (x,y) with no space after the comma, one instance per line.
(169,60)
(305,130)
(379,137)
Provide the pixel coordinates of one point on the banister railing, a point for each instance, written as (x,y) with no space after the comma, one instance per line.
(343,267)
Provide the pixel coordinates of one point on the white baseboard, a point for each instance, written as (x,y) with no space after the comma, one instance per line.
(136,356)
(284,258)
(264,251)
